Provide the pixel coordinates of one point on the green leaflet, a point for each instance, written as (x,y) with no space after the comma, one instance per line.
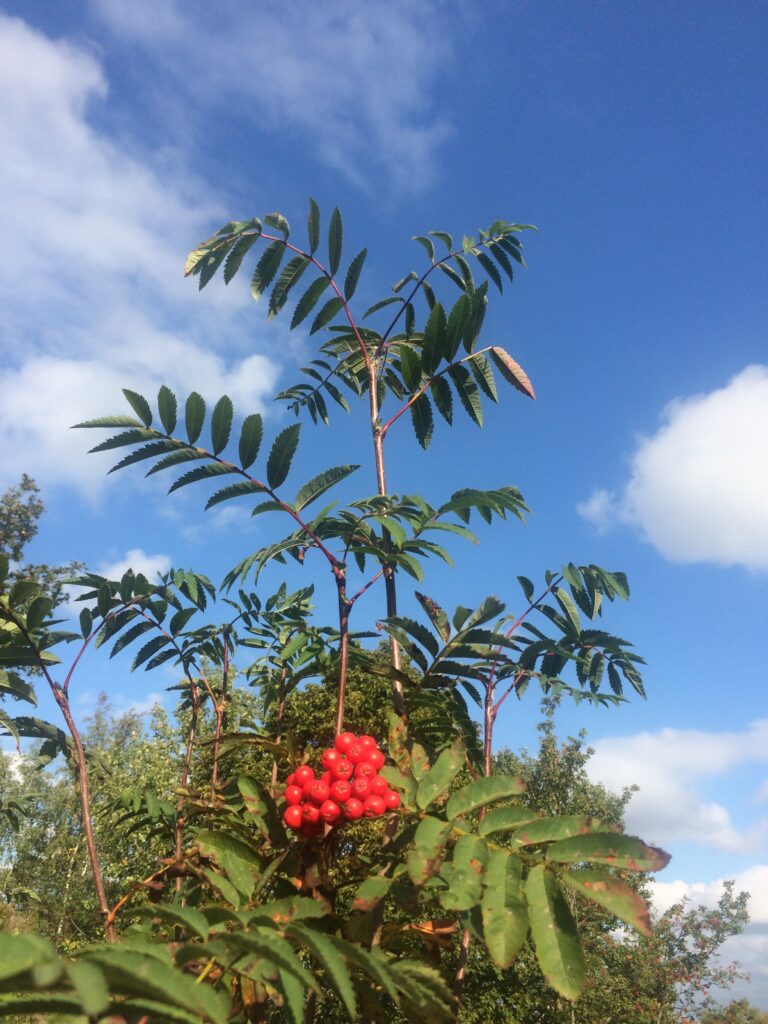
(468,392)
(289,278)
(482,792)
(504,911)
(463,874)
(615,849)
(266,268)
(221,424)
(140,406)
(281,455)
(505,819)
(353,274)
(319,484)
(167,408)
(236,860)
(423,421)
(238,490)
(326,952)
(429,842)
(251,435)
(194,416)
(610,892)
(544,830)
(442,396)
(335,239)
(435,340)
(237,253)
(313,225)
(326,314)
(555,937)
(512,371)
(309,300)
(442,773)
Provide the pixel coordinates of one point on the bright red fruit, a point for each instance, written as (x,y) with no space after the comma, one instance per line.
(331,756)
(361,788)
(303,775)
(293,817)
(341,790)
(317,791)
(294,794)
(330,812)
(327,778)
(290,781)
(379,786)
(343,769)
(376,758)
(344,741)
(311,814)
(367,741)
(392,800)
(353,809)
(373,806)
(356,752)
(364,770)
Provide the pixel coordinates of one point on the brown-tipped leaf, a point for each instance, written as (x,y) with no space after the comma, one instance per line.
(612,848)
(610,892)
(482,792)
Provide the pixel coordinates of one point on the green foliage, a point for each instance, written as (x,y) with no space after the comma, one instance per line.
(238,918)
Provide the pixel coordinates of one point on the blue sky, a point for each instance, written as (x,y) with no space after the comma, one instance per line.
(632,134)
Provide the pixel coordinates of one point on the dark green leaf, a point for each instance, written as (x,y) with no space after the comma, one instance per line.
(86,622)
(442,396)
(554,932)
(281,455)
(434,343)
(481,792)
(266,268)
(615,849)
(335,239)
(194,416)
(221,424)
(167,406)
(237,254)
(410,367)
(309,300)
(238,490)
(423,422)
(353,274)
(326,314)
(250,439)
(289,277)
(313,225)
(278,221)
(320,484)
(140,406)
(207,472)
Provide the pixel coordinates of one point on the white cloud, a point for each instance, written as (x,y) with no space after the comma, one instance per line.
(93,298)
(670,767)
(355,79)
(697,488)
(138,560)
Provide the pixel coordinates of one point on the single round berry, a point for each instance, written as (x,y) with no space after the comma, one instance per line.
(291,780)
(343,770)
(341,791)
(317,791)
(344,741)
(331,756)
(376,758)
(303,775)
(311,814)
(368,742)
(379,786)
(293,817)
(327,778)
(294,794)
(373,806)
(361,788)
(364,770)
(330,812)
(392,800)
(356,752)
(352,809)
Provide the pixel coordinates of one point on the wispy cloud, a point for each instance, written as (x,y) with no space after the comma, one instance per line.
(697,488)
(671,767)
(356,80)
(93,298)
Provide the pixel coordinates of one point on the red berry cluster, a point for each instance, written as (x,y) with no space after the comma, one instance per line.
(348,789)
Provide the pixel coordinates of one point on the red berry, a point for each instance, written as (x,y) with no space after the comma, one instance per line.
(379,786)
(330,811)
(374,806)
(367,741)
(343,770)
(303,775)
(293,817)
(364,770)
(341,790)
(291,779)
(317,791)
(331,756)
(352,809)
(376,758)
(311,813)
(356,752)
(294,794)
(344,741)
(392,800)
(327,778)
(361,788)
